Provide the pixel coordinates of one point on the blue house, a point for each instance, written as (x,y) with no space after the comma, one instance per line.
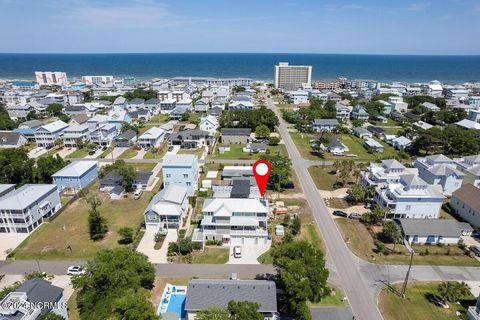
(76,175)
(181,170)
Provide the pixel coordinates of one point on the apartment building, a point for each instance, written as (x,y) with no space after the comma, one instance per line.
(290,77)
(51,78)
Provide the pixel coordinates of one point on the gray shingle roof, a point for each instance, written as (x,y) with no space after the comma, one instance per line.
(325,122)
(202,294)
(434,227)
(9,137)
(236,131)
(39,291)
(469,195)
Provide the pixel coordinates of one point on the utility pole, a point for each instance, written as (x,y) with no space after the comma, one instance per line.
(405,282)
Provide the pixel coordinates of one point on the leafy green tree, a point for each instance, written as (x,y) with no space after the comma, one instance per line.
(262,131)
(50,316)
(55,109)
(296,225)
(273,141)
(16,167)
(452,291)
(357,194)
(391,233)
(126,235)
(141,94)
(8,289)
(212,314)
(248,118)
(302,275)
(5,122)
(48,165)
(116,286)
(244,310)
(375,216)
(281,170)
(97,224)
(357,122)
(33,115)
(128,175)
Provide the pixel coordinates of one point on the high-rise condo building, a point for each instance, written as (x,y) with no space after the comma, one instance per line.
(289,77)
(49,78)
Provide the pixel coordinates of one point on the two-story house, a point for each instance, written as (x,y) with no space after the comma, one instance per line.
(167,209)
(209,124)
(24,209)
(181,170)
(191,139)
(152,138)
(324,124)
(440,170)
(383,172)
(104,135)
(46,135)
(410,197)
(74,134)
(234,221)
(75,176)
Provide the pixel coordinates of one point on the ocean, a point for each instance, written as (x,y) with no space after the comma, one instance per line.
(258,66)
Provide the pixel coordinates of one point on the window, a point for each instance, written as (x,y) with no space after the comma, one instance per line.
(168,175)
(189,183)
(408,207)
(185,175)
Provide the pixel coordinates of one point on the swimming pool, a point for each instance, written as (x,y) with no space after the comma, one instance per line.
(177,304)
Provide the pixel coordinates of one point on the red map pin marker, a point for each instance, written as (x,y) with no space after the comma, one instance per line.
(261,171)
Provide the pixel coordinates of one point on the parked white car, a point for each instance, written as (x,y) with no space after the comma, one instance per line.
(75,270)
(237,252)
(137,194)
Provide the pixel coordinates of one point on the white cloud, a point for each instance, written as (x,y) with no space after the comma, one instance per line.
(419,6)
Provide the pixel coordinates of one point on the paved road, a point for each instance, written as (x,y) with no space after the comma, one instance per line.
(340,260)
(163,270)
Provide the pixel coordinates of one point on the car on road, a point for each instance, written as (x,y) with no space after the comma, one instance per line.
(340,213)
(137,194)
(237,252)
(355,216)
(75,270)
(475,250)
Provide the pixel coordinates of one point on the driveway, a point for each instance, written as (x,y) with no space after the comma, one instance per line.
(250,253)
(140,154)
(9,241)
(146,246)
(37,152)
(64,152)
(95,155)
(174,150)
(65,283)
(117,151)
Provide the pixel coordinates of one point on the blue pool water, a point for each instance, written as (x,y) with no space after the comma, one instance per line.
(177,304)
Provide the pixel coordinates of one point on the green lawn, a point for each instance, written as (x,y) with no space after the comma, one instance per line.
(419,303)
(50,240)
(128,154)
(302,142)
(158,154)
(79,153)
(362,244)
(355,146)
(106,153)
(73,312)
(335,299)
(198,152)
(142,166)
(159,118)
(212,255)
(323,177)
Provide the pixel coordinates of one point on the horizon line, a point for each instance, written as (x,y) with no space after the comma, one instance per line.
(259,53)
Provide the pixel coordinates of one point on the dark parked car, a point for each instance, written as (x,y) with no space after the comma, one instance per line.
(104,148)
(289,185)
(355,216)
(91,152)
(170,148)
(475,250)
(340,213)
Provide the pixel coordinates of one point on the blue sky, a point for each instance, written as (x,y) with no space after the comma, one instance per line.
(368,26)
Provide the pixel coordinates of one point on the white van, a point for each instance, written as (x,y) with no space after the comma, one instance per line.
(137,194)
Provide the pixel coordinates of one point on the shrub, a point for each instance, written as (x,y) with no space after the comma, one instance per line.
(197,246)
(126,235)
(379,246)
(181,233)
(273,141)
(187,259)
(82,193)
(213,242)
(158,237)
(172,249)
(338,184)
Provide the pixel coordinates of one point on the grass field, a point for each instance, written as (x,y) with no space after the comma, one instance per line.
(50,240)
(362,244)
(212,255)
(159,118)
(79,153)
(335,299)
(323,177)
(419,303)
(157,155)
(128,154)
(198,152)
(236,153)
(142,166)
(302,142)
(106,153)
(73,313)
